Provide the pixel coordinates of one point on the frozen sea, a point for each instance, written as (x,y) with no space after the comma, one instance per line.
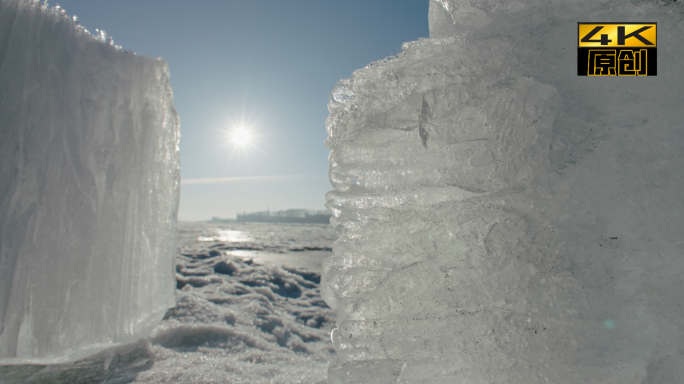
(248,310)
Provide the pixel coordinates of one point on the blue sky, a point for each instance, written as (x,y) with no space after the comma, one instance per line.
(269,64)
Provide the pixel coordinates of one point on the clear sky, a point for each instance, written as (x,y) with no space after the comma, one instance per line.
(265,64)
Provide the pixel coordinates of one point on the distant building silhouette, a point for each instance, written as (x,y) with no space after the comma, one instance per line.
(287,216)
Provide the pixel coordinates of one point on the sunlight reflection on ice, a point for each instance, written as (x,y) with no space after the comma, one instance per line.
(246,253)
(228,235)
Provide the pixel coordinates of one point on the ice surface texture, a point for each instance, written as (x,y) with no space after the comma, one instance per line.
(502,220)
(89,187)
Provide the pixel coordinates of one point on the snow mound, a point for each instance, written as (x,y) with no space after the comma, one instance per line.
(235,321)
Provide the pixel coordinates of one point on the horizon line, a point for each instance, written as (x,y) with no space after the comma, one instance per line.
(213,180)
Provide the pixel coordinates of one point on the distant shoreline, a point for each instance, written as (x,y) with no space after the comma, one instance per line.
(313,219)
(301,216)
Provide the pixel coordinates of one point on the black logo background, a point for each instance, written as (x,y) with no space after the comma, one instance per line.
(583,59)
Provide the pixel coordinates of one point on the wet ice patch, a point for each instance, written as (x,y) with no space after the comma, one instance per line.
(229,236)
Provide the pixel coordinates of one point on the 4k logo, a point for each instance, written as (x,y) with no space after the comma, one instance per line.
(616,49)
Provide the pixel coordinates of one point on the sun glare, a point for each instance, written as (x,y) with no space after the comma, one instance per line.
(241,137)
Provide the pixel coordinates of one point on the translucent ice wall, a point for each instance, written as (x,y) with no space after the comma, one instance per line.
(502,220)
(89,187)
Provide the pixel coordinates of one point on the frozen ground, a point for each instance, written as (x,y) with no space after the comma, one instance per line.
(248,310)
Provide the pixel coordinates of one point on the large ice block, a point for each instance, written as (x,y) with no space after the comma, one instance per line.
(89,188)
(502,220)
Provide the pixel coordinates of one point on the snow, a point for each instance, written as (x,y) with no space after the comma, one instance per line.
(237,319)
(89,188)
(500,219)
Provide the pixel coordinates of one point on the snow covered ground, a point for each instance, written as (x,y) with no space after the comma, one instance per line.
(248,310)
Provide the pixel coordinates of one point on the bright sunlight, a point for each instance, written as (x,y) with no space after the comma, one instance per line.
(241,137)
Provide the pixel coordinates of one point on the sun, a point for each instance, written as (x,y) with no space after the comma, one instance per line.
(241,136)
